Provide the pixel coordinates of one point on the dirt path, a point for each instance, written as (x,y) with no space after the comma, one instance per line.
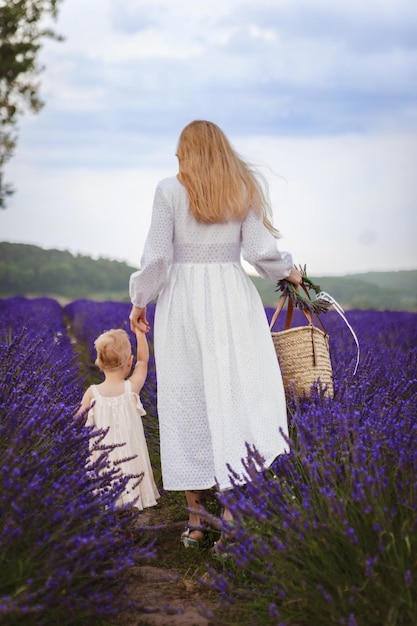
(172,597)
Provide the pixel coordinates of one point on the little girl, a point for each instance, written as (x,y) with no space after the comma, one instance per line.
(117,406)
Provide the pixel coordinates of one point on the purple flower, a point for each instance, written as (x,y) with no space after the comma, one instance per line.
(59,517)
(336,517)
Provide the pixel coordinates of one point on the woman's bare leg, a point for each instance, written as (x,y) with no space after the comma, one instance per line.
(227,516)
(226,537)
(194,509)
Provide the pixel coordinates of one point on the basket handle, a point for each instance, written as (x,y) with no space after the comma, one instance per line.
(290,310)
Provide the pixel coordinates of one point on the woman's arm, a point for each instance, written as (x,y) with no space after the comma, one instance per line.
(259,248)
(146,283)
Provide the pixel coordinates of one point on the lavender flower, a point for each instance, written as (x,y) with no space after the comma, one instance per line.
(338,514)
(65,548)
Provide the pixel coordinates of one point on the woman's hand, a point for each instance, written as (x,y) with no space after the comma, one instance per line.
(295,277)
(138,319)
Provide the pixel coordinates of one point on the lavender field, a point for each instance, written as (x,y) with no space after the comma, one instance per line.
(325,536)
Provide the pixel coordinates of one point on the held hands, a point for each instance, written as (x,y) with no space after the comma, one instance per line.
(138,320)
(141,328)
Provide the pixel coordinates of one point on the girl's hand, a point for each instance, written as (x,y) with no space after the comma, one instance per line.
(141,327)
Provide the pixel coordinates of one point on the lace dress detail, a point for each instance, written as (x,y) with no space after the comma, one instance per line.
(122,416)
(206,253)
(219,383)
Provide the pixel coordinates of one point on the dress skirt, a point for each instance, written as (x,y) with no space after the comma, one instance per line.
(219,382)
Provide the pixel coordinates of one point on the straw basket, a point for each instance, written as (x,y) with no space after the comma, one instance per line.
(303,354)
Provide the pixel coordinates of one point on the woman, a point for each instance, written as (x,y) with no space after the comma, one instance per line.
(219,383)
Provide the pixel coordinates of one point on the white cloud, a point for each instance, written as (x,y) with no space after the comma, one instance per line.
(292,67)
(321,91)
(343,204)
(83,211)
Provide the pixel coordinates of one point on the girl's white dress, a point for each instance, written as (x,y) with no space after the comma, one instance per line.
(219,382)
(122,415)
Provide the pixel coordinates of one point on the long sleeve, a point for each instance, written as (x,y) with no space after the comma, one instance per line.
(146,283)
(259,248)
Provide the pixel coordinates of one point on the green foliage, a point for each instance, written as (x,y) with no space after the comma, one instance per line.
(396,291)
(30,270)
(21,35)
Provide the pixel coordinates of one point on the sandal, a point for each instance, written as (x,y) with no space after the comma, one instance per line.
(222,546)
(190,542)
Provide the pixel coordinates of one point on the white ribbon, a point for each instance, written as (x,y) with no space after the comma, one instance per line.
(328,298)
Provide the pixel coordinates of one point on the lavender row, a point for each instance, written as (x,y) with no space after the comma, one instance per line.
(65,552)
(328,535)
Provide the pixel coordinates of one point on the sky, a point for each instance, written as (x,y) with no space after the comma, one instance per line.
(320,95)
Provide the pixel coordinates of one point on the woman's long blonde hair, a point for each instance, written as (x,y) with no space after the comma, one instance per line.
(220,185)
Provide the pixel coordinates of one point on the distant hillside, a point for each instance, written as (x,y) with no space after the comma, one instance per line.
(31,271)
(395,291)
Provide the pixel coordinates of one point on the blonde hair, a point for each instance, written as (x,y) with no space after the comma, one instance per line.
(113,349)
(220,185)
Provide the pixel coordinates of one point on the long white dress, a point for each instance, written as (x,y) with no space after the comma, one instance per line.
(218,378)
(122,416)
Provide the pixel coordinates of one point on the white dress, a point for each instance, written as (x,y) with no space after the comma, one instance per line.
(218,379)
(122,415)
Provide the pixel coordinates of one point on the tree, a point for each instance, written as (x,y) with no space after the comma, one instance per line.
(22,30)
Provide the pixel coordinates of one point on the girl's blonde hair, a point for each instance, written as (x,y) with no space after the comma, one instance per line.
(220,185)
(113,349)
